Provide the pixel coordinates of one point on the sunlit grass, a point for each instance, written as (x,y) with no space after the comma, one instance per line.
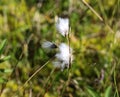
(94,38)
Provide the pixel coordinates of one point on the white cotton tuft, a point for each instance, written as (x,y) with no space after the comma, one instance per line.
(48,45)
(62,25)
(64,53)
(64,56)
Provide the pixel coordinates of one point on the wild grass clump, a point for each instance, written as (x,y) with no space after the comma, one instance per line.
(59,48)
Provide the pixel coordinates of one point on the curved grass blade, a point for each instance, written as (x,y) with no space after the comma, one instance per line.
(108,91)
(2,45)
(92,92)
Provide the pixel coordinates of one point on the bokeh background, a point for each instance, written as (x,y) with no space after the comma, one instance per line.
(94,38)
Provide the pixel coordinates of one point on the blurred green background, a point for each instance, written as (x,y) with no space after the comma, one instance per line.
(95,71)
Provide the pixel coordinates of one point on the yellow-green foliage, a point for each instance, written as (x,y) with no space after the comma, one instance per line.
(95,39)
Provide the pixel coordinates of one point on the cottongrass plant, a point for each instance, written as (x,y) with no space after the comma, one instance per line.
(62,25)
(64,57)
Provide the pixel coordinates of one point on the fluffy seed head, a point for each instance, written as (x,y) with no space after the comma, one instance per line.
(62,25)
(64,56)
(48,45)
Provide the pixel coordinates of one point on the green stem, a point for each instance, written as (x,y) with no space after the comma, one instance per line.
(115,84)
(37,71)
